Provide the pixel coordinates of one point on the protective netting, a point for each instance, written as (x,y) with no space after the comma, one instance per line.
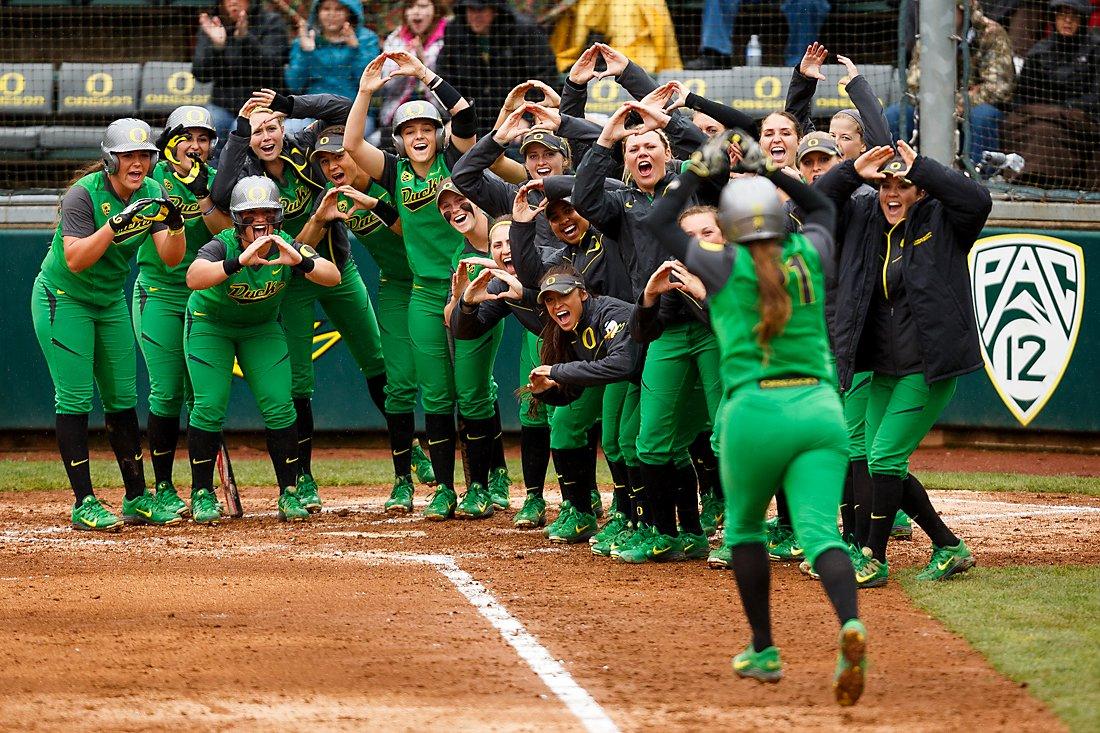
(68,67)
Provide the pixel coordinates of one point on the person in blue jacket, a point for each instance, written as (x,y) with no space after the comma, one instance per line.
(331,51)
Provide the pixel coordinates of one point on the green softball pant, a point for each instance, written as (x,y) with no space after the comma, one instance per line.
(855,414)
(158,315)
(397,345)
(262,354)
(475,388)
(684,356)
(431,349)
(620,422)
(900,412)
(569,424)
(86,347)
(529,359)
(348,308)
(792,437)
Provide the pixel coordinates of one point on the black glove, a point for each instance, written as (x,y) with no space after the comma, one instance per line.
(712,158)
(196,180)
(125,218)
(753,157)
(282,103)
(169,139)
(173,217)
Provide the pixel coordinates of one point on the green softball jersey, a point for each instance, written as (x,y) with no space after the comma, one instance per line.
(429,240)
(248,297)
(296,196)
(85,208)
(802,349)
(466,252)
(152,270)
(385,247)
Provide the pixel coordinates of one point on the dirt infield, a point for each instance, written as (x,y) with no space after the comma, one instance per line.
(358,621)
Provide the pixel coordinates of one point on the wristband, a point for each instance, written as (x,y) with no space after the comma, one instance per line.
(464,123)
(233,266)
(467,308)
(448,96)
(173,232)
(387,213)
(244,128)
(210,211)
(306,265)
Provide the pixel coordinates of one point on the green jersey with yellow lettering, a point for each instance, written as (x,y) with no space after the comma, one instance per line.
(385,247)
(248,297)
(152,270)
(802,349)
(430,241)
(296,196)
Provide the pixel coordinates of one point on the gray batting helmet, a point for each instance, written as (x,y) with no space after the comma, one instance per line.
(417,110)
(126,136)
(254,192)
(749,210)
(190,115)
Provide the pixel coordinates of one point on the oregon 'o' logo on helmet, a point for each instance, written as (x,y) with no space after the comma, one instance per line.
(138,135)
(813,142)
(551,280)
(416,108)
(196,115)
(256,193)
(896,165)
(323,141)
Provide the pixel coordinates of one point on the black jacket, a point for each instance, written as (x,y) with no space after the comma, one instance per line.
(939,232)
(473,322)
(245,64)
(800,95)
(1063,71)
(597,258)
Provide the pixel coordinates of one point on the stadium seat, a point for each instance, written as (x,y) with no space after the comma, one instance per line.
(101,89)
(22,139)
(166,85)
(26,88)
(67,142)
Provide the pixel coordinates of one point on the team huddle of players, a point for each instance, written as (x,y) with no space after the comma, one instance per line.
(729,318)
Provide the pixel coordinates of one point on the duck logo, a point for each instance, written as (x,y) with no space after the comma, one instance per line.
(1029,294)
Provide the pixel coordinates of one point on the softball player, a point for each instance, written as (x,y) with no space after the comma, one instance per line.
(79,312)
(161,292)
(766,290)
(425,155)
(239,280)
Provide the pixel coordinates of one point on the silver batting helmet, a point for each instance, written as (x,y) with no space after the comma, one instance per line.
(417,110)
(190,115)
(254,192)
(749,210)
(127,135)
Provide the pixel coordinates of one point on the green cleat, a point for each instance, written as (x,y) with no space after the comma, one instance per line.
(422,466)
(442,504)
(807,569)
(786,549)
(170,500)
(475,503)
(628,538)
(604,547)
(947,561)
(721,558)
(146,510)
(91,516)
(401,496)
(564,511)
(617,523)
(713,513)
(500,488)
(577,527)
(290,506)
(851,663)
(204,507)
(656,547)
(903,528)
(694,546)
(597,503)
(761,665)
(870,573)
(307,494)
(532,514)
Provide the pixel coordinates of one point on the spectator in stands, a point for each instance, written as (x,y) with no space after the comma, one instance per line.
(1024,21)
(238,51)
(490,48)
(1057,103)
(420,34)
(989,86)
(330,53)
(640,29)
(804,19)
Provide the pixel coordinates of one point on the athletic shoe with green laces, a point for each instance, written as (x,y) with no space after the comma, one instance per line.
(442,504)
(656,547)
(307,494)
(763,665)
(694,546)
(597,503)
(903,528)
(170,500)
(500,488)
(721,558)
(401,496)
(204,507)
(711,516)
(532,514)
(617,523)
(871,573)
(145,510)
(290,506)
(786,549)
(807,569)
(947,561)
(577,527)
(628,538)
(422,466)
(475,503)
(851,663)
(564,511)
(91,516)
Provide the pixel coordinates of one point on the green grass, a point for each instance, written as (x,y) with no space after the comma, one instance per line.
(1085,485)
(1035,624)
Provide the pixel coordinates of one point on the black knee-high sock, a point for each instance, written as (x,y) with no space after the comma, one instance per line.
(687,500)
(479,448)
(376,385)
(639,507)
(706,465)
(750,567)
(862,496)
(884,505)
(125,438)
(304,430)
(164,434)
(782,511)
(534,451)
(848,507)
(621,479)
(661,490)
(401,426)
(72,443)
(571,463)
(202,449)
(283,447)
(588,483)
(835,568)
(917,504)
(440,432)
(595,435)
(497,460)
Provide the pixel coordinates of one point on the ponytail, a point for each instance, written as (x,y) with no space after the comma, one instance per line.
(774,302)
